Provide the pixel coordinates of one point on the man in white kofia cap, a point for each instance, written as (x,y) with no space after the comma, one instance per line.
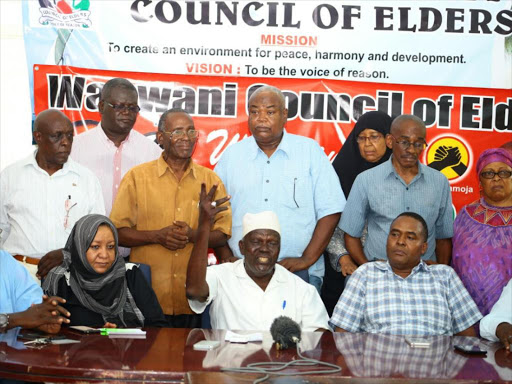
(251,292)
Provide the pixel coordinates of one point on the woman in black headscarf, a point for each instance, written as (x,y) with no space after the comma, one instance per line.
(99,288)
(364,148)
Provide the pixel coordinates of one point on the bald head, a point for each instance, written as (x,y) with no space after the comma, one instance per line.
(269,89)
(53,133)
(407,120)
(47,118)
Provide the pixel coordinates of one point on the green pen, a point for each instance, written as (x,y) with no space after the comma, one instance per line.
(107,331)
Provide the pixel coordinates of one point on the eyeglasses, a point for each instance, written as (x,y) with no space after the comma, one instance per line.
(405,144)
(124,107)
(491,174)
(373,139)
(180,134)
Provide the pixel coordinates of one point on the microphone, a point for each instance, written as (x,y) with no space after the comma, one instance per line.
(285,332)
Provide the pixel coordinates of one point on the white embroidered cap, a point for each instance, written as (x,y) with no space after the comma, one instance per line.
(262,220)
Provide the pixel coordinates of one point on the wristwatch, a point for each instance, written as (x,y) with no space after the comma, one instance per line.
(4,322)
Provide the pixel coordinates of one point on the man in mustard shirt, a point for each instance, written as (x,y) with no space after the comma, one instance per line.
(156,213)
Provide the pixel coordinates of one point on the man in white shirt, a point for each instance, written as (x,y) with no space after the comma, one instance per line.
(497,325)
(112,148)
(250,293)
(43,195)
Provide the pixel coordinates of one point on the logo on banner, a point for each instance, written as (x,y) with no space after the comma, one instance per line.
(450,156)
(65,13)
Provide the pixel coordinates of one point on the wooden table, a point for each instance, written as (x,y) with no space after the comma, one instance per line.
(167,355)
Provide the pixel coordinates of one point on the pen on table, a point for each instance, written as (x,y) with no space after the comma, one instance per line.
(284,304)
(106,331)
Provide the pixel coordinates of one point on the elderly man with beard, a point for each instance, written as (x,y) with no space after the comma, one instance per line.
(250,293)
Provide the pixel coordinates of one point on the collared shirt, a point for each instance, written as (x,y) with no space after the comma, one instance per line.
(150,198)
(240,304)
(297,182)
(94,150)
(38,211)
(501,312)
(379,195)
(430,301)
(18,290)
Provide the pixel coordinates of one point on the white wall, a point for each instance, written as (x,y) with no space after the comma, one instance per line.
(15,111)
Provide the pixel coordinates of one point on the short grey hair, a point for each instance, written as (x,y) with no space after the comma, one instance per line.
(161,122)
(400,119)
(270,88)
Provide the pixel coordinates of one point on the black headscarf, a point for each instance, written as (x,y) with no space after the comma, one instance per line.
(104,293)
(349,163)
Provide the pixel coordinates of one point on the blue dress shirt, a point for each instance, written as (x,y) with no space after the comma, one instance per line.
(297,182)
(18,290)
(379,195)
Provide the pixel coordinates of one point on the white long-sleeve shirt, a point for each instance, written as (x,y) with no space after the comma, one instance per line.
(501,312)
(38,211)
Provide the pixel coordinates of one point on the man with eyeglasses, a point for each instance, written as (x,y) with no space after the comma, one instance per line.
(112,148)
(156,213)
(401,184)
(43,195)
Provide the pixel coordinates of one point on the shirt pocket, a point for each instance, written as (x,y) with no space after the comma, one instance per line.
(386,200)
(296,191)
(73,208)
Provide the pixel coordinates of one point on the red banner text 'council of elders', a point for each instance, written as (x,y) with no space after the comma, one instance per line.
(462,120)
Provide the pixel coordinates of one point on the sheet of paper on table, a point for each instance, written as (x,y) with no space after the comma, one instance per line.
(233,337)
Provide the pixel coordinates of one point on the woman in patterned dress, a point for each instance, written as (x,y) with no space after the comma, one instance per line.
(482,241)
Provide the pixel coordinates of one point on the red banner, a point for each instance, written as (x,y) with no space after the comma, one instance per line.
(461,122)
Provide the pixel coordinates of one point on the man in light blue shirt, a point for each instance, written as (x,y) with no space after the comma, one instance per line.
(401,184)
(273,170)
(18,293)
